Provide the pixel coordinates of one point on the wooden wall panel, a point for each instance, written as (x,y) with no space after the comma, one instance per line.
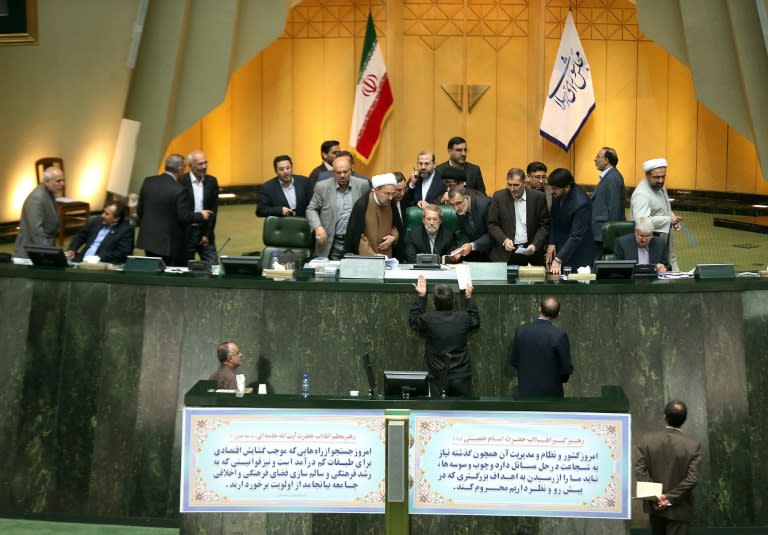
(300,91)
(681,128)
(711,151)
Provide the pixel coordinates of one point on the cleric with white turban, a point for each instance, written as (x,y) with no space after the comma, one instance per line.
(655,163)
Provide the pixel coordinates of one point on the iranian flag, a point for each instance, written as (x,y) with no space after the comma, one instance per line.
(373,97)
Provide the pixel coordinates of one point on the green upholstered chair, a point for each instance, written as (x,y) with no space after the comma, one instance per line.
(611,231)
(413,218)
(287,235)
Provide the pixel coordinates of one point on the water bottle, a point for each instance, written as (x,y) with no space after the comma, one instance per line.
(273,260)
(305,386)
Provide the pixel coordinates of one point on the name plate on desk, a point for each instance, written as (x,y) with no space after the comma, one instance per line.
(282,460)
(520,464)
(362,267)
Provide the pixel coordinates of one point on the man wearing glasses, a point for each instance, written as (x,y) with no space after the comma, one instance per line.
(473,235)
(536,178)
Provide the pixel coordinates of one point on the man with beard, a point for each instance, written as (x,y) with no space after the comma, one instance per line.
(286,194)
(457,158)
(399,207)
(370,230)
(536,178)
(608,196)
(424,187)
(472,209)
(518,218)
(570,232)
(431,237)
(650,199)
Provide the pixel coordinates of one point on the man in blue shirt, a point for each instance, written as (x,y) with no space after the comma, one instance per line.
(110,237)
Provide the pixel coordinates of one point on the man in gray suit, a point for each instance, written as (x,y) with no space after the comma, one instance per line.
(608,196)
(331,205)
(39,222)
(672,459)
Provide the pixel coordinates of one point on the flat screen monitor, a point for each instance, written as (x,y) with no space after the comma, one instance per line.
(406,384)
(241,265)
(614,269)
(47,256)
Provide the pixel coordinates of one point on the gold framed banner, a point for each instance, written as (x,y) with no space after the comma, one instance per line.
(18,22)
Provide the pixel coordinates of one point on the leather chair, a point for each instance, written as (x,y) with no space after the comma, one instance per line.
(611,231)
(414,216)
(287,235)
(73,214)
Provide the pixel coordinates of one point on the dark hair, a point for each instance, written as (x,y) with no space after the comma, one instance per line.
(535,166)
(347,154)
(328,145)
(561,178)
(516,171)
(675,412)
(442,296)
(223,351)
(611,156)
(399,177)
(550,307)
(121,210)
(281,158)
(458,191)
(455,140)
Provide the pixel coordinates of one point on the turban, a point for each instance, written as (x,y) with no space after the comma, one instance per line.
(453,173)
(655,163)
(386,179)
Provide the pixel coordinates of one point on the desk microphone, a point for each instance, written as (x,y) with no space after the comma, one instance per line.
(218,253)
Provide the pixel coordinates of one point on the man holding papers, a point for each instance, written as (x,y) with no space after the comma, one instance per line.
(672,459)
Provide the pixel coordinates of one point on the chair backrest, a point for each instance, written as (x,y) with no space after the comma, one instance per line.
(413,218)
(44,163)
(288,231)
(611,231)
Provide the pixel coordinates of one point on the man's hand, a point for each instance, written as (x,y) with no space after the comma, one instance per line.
(421,286)
(663,503)
(468,291)
(509,245)
(414,177)
(550,254)
(530,250)
(661,268)
(422,204)
(555,268)
(320,235)
(204,241)
(675,222)
(69,253)
(386,242)
(287,211)
(465,249)
(206,214)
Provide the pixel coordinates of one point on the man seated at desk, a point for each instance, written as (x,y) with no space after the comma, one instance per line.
(431,237)
(229,356)
(643,247)
(110,237)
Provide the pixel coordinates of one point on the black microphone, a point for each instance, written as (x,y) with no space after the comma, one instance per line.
(218,253)
(369,374)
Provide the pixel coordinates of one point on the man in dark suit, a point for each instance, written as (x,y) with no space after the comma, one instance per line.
(541,353)
(431,237)
(528,206)
(446,331)
(425,187)
(164,211)
(398,214)
(204,191)
(672,459)
(457,157)
(328,151)
(608,196)
(570,232)
(110,237)
(286,193)
(473,236)
(643,247)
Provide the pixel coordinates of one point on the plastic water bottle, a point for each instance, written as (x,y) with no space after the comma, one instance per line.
(273,260)
(305,386)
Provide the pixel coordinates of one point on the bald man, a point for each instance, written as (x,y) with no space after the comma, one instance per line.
(204,190)
(39,222)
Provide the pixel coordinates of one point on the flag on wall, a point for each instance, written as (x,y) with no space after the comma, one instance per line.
(373,97)
(570,99)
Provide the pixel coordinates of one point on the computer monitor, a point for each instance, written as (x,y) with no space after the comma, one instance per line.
(241,265)
(47,256)
(614,269)
(406,384)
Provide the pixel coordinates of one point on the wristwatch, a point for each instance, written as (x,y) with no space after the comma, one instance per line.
(556,259)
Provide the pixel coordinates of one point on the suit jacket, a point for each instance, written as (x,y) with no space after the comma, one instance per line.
(434,192)
(210,202)
(398,221)
(325,174)
(672,459)
(315,173)
(478,231)
(607,202)
(114,248)
(501,221)
(272,199)
(473,173)
(321,210)
(571,228)
(39,222)
(625,248)
(417,242)
(446,332)
(542,355)
(164,211)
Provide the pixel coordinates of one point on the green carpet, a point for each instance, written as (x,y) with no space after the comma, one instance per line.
(36,527)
